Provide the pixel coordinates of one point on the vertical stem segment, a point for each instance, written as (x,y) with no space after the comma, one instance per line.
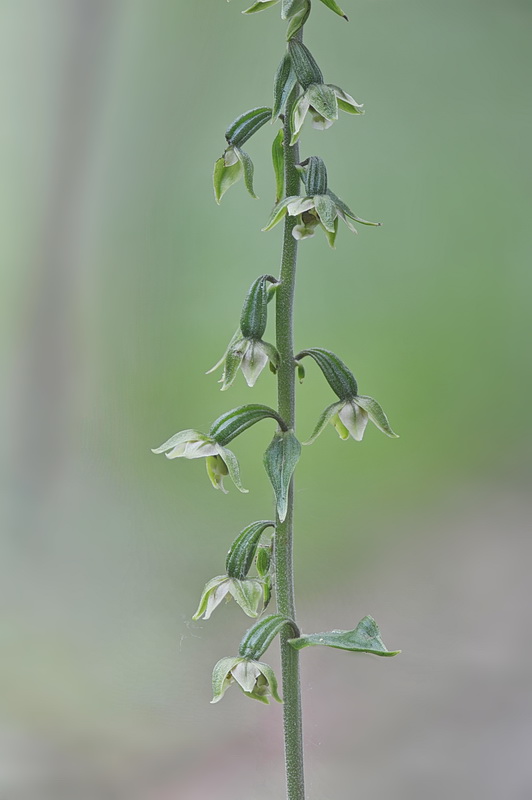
(293,734)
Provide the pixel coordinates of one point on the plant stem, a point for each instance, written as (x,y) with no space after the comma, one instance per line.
(293,734)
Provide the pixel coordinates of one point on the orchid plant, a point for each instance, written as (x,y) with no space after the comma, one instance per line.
(305,203)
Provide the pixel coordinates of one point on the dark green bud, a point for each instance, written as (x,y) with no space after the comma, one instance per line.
(246,125)
(315,176)
(255,310)
(234,422)
(264,559)
(257,640)
(338,376)
(305,66)
(242,552)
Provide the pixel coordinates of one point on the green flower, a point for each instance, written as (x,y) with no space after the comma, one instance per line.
(319,207)
(220,461)
(250,356)
(256,679)
(247,592)
(322,101)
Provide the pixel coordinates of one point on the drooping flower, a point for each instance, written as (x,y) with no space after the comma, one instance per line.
(351,414)
(319,207)
(247,592)
(256,679)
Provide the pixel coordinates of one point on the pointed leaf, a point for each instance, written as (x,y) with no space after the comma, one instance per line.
(278,165)
(242,551)
(280,461)
(224,177)
(365,638)
(334,7)
(376,414)
(325,417)
(257,639)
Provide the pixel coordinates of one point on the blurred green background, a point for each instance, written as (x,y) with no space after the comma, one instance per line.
(122,283)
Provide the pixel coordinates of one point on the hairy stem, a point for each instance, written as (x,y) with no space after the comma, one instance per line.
(293,735)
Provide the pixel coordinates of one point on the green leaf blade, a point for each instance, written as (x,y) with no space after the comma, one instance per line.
(365,638)
(280,460)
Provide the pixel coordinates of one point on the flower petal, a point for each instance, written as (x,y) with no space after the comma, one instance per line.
(278,212)
(198,450)
(326,211)
(210,587)
(297,118)
(222,678)
(253,362)
(269,674)
(248,594)
(182,437)
(300,205)
(323,99)
(233,361)
(354,418)
(245,674)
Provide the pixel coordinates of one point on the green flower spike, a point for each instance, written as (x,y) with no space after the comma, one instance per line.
(319,207)
(220,461)
(246,350)
(352,413)
(321,100)
(256,679)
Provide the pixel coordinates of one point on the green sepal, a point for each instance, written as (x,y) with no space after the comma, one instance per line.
(365,638)
(280,461)
(284,82)
(261,5)
(326,211)
(254,316)
(331,235)
(232,362)
(336,373)
(257,639)
(335,7)
(248,169)
(278,212)
(233,470)
(263,560)
(298,20)
(180,438)
(314,174)
(224,177)
(231,424)
(244,126)
(244,548)
(304,63)
(376,414)
(248,594)
(325,417)
(220,677)
(347,211)
(290,8)
(278,165)
(208,589)
(323,100)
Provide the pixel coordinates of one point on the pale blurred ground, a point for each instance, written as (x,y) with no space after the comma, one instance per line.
(121,284)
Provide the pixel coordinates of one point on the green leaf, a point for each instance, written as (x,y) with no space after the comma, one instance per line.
(280,461)
(231,424)
(325,417)
(336,373)
(224,177)
(244,126)
(261,5)
(242,551)
(365,638)
(298,20)
(257,639)
(326,211)
(376,414)
(278,165)
(284,82)
(247,166)
(335,7)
